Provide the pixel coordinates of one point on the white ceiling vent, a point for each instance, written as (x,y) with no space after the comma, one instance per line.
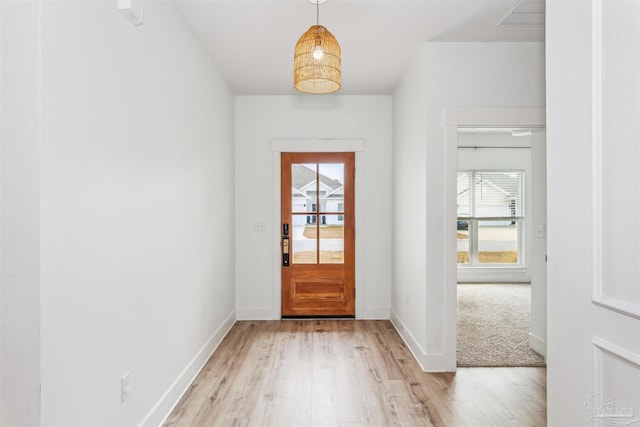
(527,13)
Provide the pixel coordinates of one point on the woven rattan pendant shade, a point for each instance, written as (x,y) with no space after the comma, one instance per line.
(312,74)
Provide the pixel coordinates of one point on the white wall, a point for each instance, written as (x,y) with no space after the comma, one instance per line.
(445,75)
(409,291)
(20,214)
(593,188)
(136,212)
(261,119)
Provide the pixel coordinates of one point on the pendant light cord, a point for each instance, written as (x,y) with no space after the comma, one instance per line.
(317,12)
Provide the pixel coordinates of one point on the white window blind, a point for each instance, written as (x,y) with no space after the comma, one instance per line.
(490,194)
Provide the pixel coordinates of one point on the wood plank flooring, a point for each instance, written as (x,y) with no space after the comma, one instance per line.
(348,373)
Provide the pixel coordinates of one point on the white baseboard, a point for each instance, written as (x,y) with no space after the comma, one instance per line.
(375,313)
(493,275)
(172,396)
(266,313)
(538,345)
(437,362)
(415,349)
(260,313)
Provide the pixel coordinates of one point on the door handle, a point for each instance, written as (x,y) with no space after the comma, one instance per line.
(285,252)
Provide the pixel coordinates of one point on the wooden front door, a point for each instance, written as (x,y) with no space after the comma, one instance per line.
(317,231)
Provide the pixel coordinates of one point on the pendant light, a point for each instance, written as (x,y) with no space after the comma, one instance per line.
(316,60)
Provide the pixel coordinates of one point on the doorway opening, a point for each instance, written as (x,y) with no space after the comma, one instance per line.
(500,208)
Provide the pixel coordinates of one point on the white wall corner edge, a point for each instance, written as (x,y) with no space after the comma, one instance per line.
(132,10)
(167,403)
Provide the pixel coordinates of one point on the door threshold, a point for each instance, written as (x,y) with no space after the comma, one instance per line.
(318,317)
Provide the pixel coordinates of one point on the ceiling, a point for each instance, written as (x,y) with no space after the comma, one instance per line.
(252,41)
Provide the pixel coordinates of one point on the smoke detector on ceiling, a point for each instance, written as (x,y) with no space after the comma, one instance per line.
(527,13)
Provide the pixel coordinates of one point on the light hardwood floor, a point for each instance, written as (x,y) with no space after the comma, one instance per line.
(348,373)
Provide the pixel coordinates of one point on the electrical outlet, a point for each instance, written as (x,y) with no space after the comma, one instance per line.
(259,226)
(125,387)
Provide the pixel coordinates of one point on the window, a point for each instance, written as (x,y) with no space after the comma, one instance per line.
(317,213)
(490,218)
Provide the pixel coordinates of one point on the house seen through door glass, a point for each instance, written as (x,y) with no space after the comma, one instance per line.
(317,203)
(491,219)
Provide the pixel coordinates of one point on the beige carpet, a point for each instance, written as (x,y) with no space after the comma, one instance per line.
(493,326)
